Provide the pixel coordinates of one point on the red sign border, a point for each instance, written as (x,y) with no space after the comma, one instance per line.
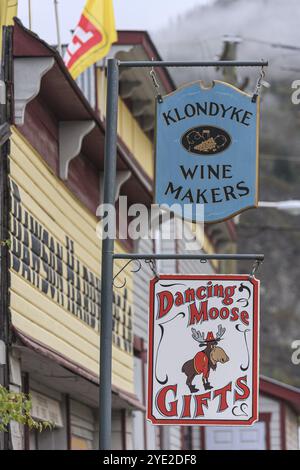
(255,374)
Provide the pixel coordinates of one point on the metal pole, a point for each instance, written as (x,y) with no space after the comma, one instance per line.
(210,63)
(29,15)
(110,162)
(57,27)
(217,256)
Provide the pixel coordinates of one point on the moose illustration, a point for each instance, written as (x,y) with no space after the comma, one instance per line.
(206,359)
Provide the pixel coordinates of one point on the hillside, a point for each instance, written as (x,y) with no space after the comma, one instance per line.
(261,27)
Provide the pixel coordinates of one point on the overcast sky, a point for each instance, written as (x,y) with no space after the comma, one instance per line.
(130,14)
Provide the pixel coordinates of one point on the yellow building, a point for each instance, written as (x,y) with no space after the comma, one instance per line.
(54,179)
(52,172)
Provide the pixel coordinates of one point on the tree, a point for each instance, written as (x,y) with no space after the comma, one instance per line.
(17,407)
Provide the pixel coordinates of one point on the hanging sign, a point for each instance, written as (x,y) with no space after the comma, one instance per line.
(207,151)
(203,350)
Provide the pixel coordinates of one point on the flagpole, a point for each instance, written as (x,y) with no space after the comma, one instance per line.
(29,15)
(57,27)
(103,90)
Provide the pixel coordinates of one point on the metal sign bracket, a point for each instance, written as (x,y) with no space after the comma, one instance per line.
(108,256)
(150,260)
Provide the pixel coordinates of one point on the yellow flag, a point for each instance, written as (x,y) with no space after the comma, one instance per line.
(93,36)
(8,9)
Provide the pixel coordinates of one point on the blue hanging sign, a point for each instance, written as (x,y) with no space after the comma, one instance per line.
(207,150)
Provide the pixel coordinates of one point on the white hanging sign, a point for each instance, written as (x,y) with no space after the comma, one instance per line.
(203,350)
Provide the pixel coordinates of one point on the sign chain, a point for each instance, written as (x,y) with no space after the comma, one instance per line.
(152,266)
(156,84)
(259,84)
(255,268)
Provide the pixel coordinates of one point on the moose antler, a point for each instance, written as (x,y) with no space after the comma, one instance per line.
(197,336)
(220,332)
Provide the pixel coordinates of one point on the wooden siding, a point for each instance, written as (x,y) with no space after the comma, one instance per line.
(138,416)
(69,330)
(118,437)
(175,437)
(194,266)
(128,129)
(292,429)
(82,422)
(196,438)
(269,405)
(141,294)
